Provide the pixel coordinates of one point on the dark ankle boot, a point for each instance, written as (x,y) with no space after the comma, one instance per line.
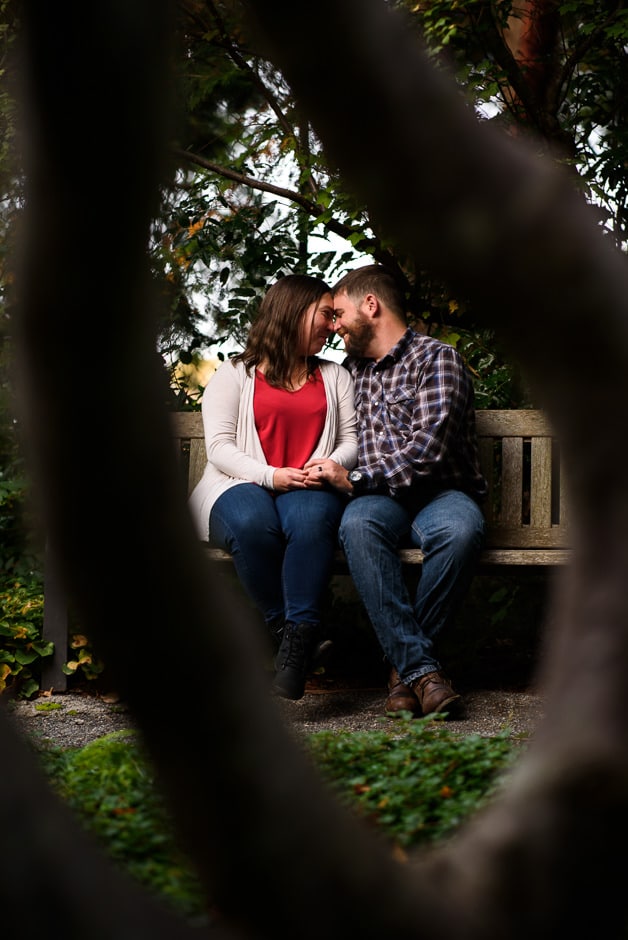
(275,631)
(294,659)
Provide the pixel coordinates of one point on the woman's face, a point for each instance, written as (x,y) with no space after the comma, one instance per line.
(317,326)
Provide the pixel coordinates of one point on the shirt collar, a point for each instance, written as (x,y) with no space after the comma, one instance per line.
(398,350)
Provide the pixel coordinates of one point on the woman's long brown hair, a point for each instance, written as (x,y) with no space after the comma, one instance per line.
(276,331)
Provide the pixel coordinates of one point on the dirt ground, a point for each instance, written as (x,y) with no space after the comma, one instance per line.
(74,718)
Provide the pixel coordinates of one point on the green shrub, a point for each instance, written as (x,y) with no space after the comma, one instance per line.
(20,549)
(85,663)
(21,645)
(417,786)
(111,788)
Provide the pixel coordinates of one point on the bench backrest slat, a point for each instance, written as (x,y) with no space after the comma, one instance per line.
(512,482)
(198,461)
(541,482)
(517,422)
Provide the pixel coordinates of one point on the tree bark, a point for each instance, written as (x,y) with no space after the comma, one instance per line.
(488,216)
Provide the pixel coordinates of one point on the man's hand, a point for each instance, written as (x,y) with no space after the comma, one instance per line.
(327,471)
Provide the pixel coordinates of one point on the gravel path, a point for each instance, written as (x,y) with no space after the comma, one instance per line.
(73,719)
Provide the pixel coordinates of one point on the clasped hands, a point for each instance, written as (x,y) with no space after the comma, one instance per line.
(313,476)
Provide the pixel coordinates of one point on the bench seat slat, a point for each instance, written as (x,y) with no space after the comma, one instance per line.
(414,556)
(525,556)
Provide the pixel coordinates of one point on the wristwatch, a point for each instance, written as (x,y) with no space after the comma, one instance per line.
(357,480)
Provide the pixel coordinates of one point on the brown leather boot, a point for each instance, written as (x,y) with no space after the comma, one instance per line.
(401,698)
(435,694)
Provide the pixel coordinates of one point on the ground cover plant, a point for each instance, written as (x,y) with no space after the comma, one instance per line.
(110,785)
(416,785)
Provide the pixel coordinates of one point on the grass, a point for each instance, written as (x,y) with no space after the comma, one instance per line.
(417,786)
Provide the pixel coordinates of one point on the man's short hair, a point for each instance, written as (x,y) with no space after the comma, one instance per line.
(373,279)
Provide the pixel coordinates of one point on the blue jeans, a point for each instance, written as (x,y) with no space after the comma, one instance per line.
(282,546)
(449,530)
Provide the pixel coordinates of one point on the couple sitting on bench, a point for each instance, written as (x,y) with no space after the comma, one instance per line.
(305,454)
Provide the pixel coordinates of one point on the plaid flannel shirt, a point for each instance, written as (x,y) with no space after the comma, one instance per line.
(416,420)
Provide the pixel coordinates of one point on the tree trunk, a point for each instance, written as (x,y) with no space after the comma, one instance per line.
(488,216)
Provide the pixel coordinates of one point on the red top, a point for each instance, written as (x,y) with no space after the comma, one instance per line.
(289,424)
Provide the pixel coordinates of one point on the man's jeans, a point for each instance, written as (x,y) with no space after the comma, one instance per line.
(449,530)
(282,546)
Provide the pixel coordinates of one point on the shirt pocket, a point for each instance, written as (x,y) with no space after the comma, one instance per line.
(400,402)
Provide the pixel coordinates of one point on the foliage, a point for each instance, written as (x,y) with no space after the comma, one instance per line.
(11,177)
(417,786)
(20,553)
(22,647)
(252,194)
(110,786)
(21,644)
(86,662)
(250,184)
(253,183)
(566,89)
(8,27)
(252,188)
(497,381)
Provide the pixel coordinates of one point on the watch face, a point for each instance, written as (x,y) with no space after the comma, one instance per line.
(356,477)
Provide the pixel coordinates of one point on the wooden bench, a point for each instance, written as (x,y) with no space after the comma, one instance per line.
(525,509)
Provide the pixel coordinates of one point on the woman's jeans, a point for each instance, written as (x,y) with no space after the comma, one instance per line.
(449,530)
(282,546)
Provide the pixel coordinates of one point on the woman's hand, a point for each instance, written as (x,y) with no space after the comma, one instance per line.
(289,478)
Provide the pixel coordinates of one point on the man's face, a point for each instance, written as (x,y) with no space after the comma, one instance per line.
(352,326)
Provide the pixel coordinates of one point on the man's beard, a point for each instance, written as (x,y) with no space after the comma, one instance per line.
(359,339)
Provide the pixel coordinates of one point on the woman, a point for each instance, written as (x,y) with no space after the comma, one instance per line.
(266,412)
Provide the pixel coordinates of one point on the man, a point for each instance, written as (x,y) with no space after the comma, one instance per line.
(417,481)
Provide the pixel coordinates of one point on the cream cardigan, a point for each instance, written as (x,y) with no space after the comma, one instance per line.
(234,451)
